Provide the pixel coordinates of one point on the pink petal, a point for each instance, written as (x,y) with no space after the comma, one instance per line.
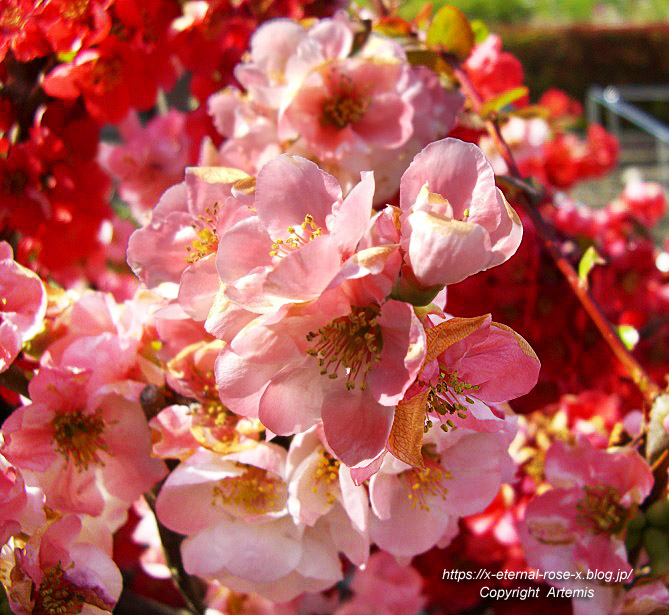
(356,427)
(288,189)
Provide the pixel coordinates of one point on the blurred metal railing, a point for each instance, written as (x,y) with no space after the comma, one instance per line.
(614,100)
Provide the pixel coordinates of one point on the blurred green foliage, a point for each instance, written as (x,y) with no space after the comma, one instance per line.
(551,12)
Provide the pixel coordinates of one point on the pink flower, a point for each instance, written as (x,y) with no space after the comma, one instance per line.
(152,159)
(318,485)
(298,241)
(88,449)
(21,507)
(57,571)
(239,531)
(347,365)
(22,306)
(455,221)
(418,508)
(384,588)
(352,105)
(580,524)
(175,253)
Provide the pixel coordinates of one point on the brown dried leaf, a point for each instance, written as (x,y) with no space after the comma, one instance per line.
(406,435)
(449,332)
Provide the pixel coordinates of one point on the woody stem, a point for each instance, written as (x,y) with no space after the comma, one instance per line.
(530,199)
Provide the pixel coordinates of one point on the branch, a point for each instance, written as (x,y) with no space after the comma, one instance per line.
(530,199)
(191,587)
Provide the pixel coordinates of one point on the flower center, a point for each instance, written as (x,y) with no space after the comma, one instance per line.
(326,474)
(600,510)
(255,490)
(78,436)
(299,236)
(350,342)
(443,399)
(206,241)
(426,482)
(345,105)
(57,596)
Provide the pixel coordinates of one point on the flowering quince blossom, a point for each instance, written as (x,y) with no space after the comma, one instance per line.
(179,243)
(21,507)
(87,449)
(56,571)
(418,508)
(22,306)
(309,95)
(152,159)
(580,524)
(240,531)
(492,70)
(455,221)
(384,588)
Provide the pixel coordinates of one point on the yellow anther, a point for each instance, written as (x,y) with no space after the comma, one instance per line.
(78,437)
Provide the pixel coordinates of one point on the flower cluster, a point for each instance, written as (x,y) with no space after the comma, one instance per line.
(312,386)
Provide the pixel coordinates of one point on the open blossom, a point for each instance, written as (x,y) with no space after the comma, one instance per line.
(580,524)
(418,508)
(310,94)
(376,351)
(87,448)
(151,159)
(22,306)
(58,571)
(456,222)
(299,239)
(239,530)
(174,253)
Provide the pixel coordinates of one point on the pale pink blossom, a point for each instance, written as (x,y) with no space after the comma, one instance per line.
(384,587)
(353,105)
(21,507)
(151,159)
(239,531)
(22,306)
(319,485)
(86,448)
(579,525)
(174,254)
(456,222)
(347,365)
(57,571)
(300,238)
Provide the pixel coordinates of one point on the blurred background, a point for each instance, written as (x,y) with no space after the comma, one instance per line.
(583,47)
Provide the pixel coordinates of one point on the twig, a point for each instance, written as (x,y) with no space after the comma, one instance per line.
(191,587)
(530,200)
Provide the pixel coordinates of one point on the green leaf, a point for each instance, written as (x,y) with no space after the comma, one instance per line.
(502,100)
(629,335)
(588,261)
(480,30)
(451,31)
(66,56)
